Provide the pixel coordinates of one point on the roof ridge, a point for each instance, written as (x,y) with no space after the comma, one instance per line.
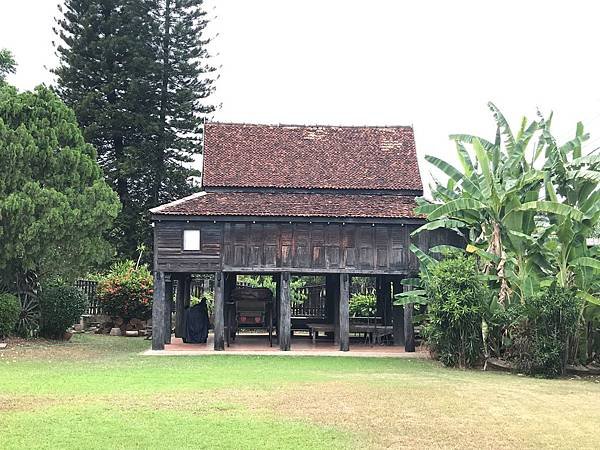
(297,125)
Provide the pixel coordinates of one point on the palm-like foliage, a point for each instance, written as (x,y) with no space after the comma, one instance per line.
(525,202)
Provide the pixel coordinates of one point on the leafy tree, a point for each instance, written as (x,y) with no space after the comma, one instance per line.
(134,72)
(7,64)
(54,203)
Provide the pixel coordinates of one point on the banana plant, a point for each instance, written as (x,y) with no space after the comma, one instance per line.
(575,179)
(495,198)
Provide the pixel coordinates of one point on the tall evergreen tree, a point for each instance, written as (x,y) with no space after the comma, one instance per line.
(108,74)
(186,83)
(135,73)
(7,64)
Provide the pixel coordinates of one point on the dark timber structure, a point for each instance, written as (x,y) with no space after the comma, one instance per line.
(295,200)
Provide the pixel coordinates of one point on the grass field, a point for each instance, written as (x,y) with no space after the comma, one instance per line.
(98,392)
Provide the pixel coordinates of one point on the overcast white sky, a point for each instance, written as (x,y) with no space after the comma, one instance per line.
(430,64)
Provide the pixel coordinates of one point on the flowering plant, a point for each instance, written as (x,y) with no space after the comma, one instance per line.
(126,292)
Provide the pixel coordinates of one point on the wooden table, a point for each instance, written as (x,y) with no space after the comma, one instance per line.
(377,330)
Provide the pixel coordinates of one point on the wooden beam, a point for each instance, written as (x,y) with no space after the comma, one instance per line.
(158,312)
(285,312)
(179,305)
(168,306)
(219,331)
(344,315)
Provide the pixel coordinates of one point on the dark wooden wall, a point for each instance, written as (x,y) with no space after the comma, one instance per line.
(294,247)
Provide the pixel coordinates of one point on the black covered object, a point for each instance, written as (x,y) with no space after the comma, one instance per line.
(196,324)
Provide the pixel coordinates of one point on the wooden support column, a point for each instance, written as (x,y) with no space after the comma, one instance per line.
(219,331)
(383,289)
(344,314)
(332,293)
(230,283)
(277,280)
(168,306)
(158,312)
(397,314)
(180,305)
(285,313)
(187,290)
(409,329)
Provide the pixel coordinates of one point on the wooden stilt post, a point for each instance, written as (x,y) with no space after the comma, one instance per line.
(187,290)
(398,314)
(230,284)
(383,290)
(332,292)
(158,312)
(409,329)
(168,305)
(285,313)
(344,315)
(277,279)
(179,305)
(334,285)
(219,332)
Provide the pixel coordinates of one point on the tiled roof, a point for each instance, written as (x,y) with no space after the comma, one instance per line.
(292,205)
(311,157)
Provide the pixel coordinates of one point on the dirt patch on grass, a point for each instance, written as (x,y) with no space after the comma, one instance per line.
(81,347)
(43,349)
(469,416)
(27,402)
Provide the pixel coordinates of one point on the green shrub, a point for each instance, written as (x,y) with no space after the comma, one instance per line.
(10,308)
(363,305)
(126,292)
(60,308)
(456,299)
(548,322)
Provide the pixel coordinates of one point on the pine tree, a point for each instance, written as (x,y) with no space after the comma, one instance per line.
(135,73)
(7,64)
(186,83)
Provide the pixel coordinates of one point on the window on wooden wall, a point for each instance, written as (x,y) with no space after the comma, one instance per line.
(191,239)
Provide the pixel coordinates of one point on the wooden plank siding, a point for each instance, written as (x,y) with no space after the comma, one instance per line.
(357,248)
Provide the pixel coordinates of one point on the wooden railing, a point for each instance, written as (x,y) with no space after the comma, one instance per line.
(89,289)
(314,304)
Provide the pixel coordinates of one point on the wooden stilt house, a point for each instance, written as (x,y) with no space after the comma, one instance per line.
(290,200)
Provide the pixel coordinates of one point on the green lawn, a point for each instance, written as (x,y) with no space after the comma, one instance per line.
(98,392)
